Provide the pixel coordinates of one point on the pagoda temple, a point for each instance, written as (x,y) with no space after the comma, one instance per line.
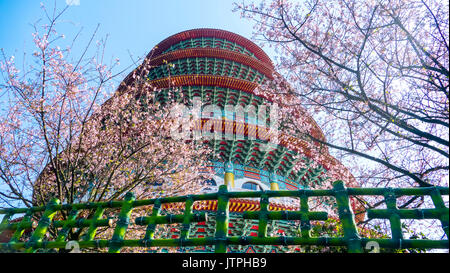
(222,68)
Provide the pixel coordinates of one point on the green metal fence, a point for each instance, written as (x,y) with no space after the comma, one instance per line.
(351,239)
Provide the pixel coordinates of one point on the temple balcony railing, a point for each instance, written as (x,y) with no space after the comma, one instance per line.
(89,217)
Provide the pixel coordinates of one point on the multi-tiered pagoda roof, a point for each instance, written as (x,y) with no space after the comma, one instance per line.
(223,68)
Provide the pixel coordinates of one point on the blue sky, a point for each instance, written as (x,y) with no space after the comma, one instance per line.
(133,26)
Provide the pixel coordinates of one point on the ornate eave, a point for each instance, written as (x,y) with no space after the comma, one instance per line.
(216,33)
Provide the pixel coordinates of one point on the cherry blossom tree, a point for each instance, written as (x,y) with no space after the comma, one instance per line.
(65,133)
(374,74)
(375,77)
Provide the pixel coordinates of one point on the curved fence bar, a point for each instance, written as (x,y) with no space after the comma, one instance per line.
(31,231)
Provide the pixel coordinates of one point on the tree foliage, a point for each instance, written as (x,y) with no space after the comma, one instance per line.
(375,75)
(65,134)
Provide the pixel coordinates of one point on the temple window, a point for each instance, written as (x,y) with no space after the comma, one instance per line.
(251,186)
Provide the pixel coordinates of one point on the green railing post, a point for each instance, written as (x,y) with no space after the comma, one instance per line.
(305,226)
(263,216)
(156,212)
(90,233)
(43,225)
(443,210)
(394,218)
(222,217)
(346,217)
(122,223)
(64,232)
(5,221)
(20,230)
